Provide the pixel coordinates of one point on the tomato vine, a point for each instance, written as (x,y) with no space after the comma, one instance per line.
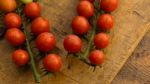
(93,19)
(97,12)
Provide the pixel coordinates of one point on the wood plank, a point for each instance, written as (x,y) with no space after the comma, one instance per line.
(137,68)
(128,31)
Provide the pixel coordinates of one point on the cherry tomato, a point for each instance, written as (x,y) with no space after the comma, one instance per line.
(15,36)
(12,20)
(32,10)
(85,8)
(8,5)
(80,25)
(105,22)
(45,42)
(108,5)
(89,0)
(20,57)
(96,57)
(39,25)
(27,1)
(72,44)
(101,40)
(52,62)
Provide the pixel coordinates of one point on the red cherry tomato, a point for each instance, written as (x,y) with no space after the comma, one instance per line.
(80,25)
(96,57)
(8,5)
(72,44)
(101,40)
(85,8)
(12,20)
(108,5)
(89,0)
(15,36)
(105,22)
(52,62)
(32,10)
(45,42)
(39,25)
(20,57)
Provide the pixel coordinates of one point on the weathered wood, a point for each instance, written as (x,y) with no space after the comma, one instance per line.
(129,29)
(137,68)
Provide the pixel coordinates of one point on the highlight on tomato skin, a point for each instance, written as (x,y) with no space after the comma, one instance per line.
(45,41)
(32,10)
(72,43)
(12,20)
(101,40)
(40,25)
(20,57)
(15,36)
(109,5)
(8,5)
(85,8)
(80,25)
(105,22)
(96,57)
(52,62)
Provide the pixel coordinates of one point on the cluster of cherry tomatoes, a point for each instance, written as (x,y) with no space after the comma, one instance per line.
(46,41)
(40,28)
(81,25)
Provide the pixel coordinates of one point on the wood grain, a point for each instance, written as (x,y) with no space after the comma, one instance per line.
(137,68)
(129,29)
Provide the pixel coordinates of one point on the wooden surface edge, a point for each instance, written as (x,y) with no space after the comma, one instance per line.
(132,49)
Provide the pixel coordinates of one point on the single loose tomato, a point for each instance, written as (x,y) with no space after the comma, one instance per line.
(105,22)
(8,5)
(101,40)
(108,5)
(72,43)
(52,62)
(32,10)
(12,20)
(85,8)
(39,25)
(89,0)
(15,36)
(96,57)
(80,25)
(45,42)
(20,57)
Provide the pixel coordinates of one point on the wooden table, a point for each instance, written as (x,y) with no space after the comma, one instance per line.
(132,21)
(137,68)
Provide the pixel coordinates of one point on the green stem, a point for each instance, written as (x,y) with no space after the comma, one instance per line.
(93,31)
(90,43)
(33,66)
(28,47)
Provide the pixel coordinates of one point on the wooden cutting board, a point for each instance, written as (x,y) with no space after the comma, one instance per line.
(130,27)
(137,68)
